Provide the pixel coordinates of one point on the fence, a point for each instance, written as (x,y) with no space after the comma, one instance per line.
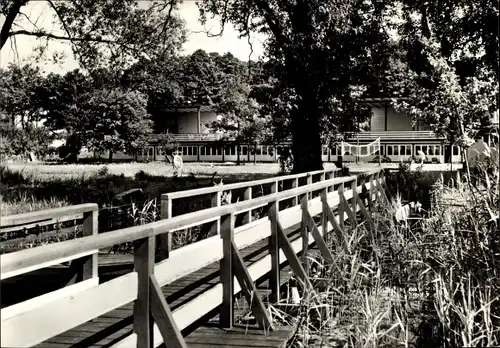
(88,299)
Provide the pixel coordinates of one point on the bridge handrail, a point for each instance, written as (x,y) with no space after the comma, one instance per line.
(50,253)
(239,185)
(46,215)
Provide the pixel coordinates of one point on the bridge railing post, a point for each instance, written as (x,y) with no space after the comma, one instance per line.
(295,184)
(354,199)
(90,228)
(341,209)
(330,175)
(274,249)
(371,191)
(215,202)
(165,240)
(309,182)
(304,231)
(226,316)
(324,215)
(322,176)
(247,217)
(144,255)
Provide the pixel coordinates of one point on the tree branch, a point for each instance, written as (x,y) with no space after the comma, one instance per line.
(272,21)
(59,37)
(9,20)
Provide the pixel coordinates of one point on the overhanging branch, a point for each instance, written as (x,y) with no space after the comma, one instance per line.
(14,10)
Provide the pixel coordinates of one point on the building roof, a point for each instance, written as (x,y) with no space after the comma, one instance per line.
(188,108)
(381,100)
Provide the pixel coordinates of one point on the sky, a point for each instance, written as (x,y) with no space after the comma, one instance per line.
(40,13)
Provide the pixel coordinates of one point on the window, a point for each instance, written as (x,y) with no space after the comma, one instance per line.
(264,150)
(244,150)
(202,151)
(430,150)
(233,150)
(437,150)
(195,150)
(190,150)
(395,150)
(455,150)
(218,151)
(389,150)
(408,150)
(258,151)
(325,151)
(364,151)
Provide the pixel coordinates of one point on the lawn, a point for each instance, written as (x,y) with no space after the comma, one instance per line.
(36,186)
(44,170)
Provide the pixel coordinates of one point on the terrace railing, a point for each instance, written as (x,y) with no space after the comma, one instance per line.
(396,135)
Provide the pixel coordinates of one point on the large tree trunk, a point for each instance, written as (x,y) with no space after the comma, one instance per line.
(306,139)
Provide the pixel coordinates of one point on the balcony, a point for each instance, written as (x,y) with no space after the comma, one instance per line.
(387,135)
(190,137)
(395,135)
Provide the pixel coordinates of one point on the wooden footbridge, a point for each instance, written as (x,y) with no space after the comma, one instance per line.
(193,296)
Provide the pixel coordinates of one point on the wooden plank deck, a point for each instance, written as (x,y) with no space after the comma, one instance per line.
(239,337)
(117,324)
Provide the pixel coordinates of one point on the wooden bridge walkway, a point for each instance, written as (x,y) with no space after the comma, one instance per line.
(194,296)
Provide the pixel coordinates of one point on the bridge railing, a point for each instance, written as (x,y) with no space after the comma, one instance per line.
(216,192)
(88,213)
(70,308)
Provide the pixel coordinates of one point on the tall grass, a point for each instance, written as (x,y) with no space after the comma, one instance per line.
(433,282)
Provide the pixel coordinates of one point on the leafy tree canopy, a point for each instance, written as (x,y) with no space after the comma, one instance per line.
(322,54)
(445,69)
(18,90)
(115,120)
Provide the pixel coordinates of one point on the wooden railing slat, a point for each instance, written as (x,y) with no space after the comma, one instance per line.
(238,185)
(44,215)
